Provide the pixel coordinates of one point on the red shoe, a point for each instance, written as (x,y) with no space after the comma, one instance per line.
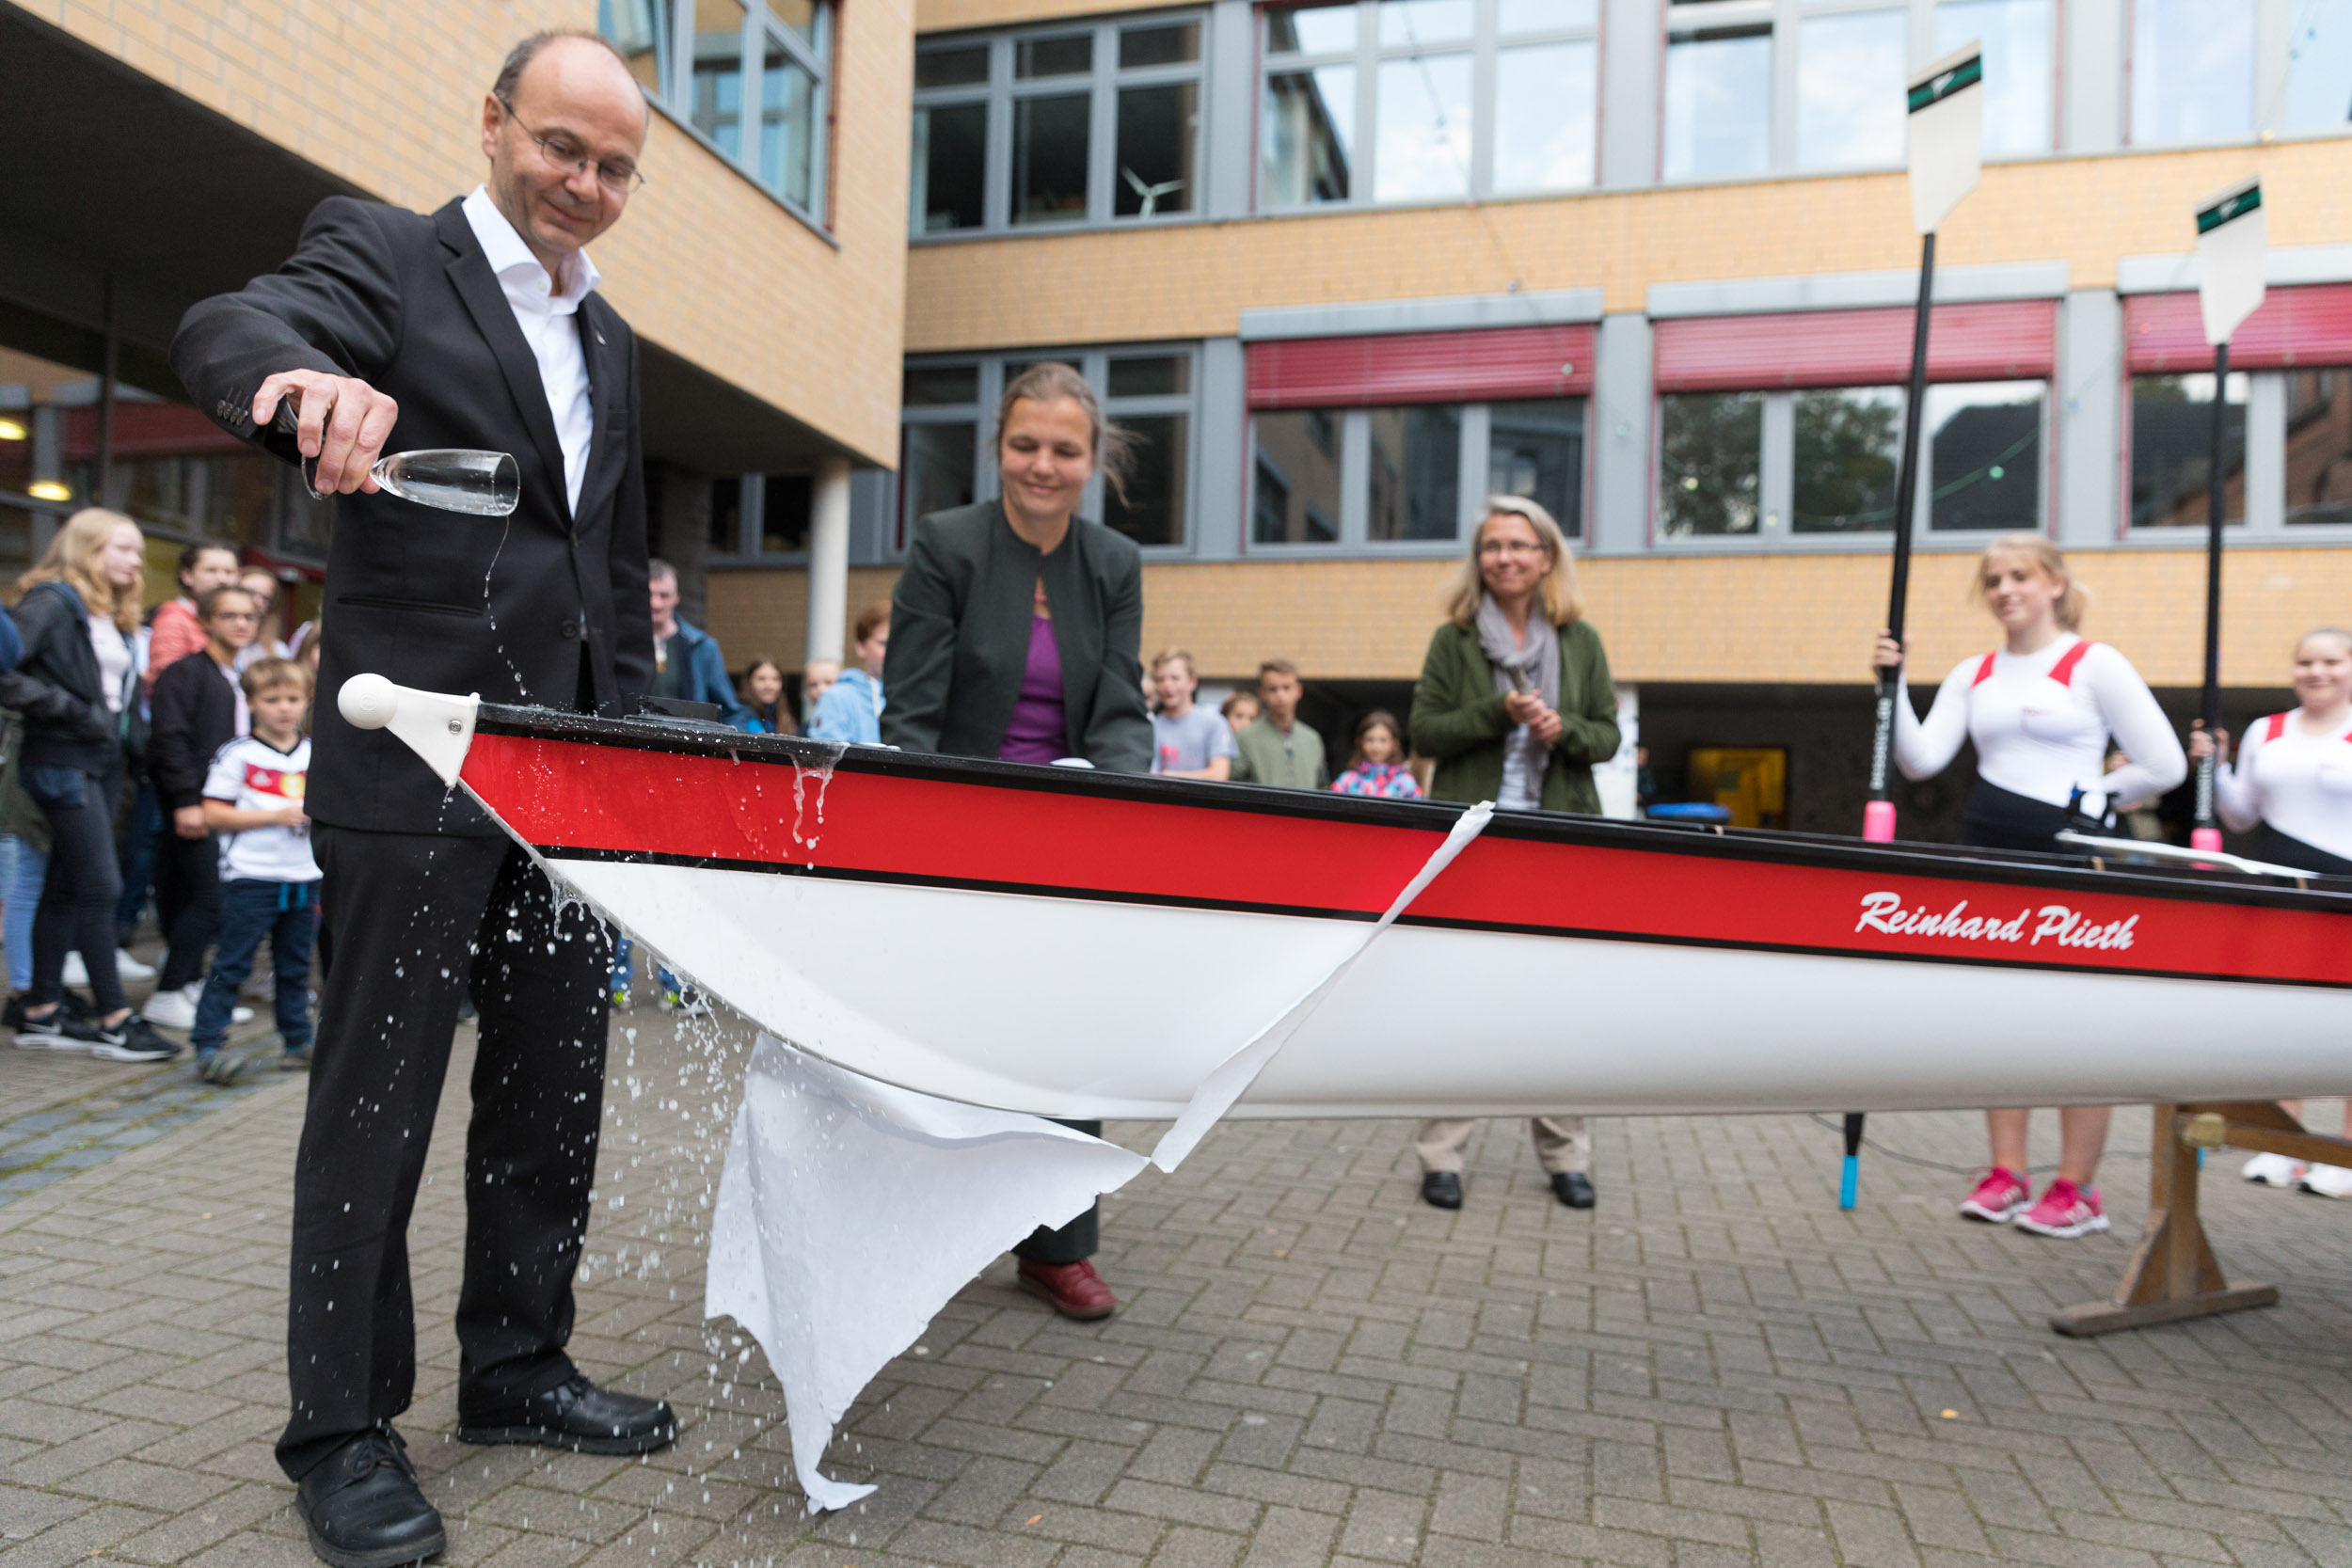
(1074,1290)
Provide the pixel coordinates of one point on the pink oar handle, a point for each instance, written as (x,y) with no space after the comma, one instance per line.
(1877,822)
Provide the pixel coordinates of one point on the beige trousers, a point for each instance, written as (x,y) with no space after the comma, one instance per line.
(1560,1143)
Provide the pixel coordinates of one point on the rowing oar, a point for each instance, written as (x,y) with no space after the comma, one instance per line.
(1946,129)
(2231,235)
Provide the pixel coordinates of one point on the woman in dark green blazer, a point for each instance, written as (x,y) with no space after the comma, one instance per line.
(1516,704)
(1467,715)
(1016,632)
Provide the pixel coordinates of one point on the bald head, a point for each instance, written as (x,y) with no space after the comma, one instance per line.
(562,127)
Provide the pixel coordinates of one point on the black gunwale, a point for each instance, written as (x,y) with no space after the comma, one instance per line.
(1942,863)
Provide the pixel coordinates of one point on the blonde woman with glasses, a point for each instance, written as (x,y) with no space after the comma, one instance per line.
(1515,705)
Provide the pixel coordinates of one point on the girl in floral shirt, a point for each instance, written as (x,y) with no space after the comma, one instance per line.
(1376,766)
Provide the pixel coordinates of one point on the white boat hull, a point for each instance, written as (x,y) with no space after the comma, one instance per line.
(952,990)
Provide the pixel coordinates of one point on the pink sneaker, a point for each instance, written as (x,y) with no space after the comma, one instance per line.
(1999,1198)
(2065,1212)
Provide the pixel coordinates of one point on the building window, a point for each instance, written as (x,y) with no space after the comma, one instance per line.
(1295,495)
(2319,446)
(1828,461)
(760,518)
(1709,470)
(1764,86)
(2192,72)
(752,79)
(1984,456)
(949,456)
(1848,445)
(1064,127)
(2319,67)
(1381,101)
(2020,41)
(2172,450)
(1409,474)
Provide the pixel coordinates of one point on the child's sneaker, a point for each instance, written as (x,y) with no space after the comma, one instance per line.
(2327,1181)
(2065,1212)
(1999,1198)
(295,1060)
(2273,1170)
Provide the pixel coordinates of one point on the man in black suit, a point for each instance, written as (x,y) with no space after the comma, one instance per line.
(477,327)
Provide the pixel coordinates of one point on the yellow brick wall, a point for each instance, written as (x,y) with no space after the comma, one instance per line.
(1715,618)
(1194,280)
(388,94)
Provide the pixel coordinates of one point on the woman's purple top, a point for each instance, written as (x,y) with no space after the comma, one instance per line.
(1037,733)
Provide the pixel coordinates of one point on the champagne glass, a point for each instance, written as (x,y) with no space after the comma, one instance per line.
(452,479)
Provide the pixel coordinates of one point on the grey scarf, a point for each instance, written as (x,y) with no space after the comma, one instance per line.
(1537,661)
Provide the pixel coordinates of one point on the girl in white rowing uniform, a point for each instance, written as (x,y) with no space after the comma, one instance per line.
(2040,709)
(2292,788)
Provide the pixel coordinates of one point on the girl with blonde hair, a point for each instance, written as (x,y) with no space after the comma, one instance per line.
(2039,710)
(77,689)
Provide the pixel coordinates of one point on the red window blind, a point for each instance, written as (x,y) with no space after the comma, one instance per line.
(1421,367)
(2295,326)
(1999,342)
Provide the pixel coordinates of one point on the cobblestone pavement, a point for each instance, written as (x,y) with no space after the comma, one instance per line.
(1716,1366)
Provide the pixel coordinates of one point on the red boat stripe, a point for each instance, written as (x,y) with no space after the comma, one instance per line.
(613,800)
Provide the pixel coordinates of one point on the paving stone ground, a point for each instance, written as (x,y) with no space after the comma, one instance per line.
(1714,1367)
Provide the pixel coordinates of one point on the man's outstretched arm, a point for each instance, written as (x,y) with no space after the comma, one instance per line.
(315,332)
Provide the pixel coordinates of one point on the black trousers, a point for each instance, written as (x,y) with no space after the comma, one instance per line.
(187,902)
(77,902)
(1073,1242)
(419,919)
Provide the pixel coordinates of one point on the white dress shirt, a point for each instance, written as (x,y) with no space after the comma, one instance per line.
(547,318)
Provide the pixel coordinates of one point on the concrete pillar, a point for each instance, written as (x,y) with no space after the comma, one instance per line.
(828,559)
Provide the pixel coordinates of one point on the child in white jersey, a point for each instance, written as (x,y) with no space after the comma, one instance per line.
(2292,788)
(2039,710)
(269,882)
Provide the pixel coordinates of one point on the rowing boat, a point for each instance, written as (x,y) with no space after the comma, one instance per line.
(1069,943)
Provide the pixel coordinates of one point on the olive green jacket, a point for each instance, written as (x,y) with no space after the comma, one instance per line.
(1459,719)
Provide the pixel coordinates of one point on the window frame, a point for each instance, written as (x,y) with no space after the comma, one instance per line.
(1103,80)
(1785,17)
(1472,464)
(1092,363)
(2265,473)
(1482,47)
(761,25)
(1776,457)
(751,520)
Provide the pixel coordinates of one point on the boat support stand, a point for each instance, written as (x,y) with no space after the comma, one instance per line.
(2172,1275)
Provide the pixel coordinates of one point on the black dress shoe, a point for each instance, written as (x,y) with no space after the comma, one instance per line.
(1441,1189)
(577,1415)
(362,1506)
(1573,1188)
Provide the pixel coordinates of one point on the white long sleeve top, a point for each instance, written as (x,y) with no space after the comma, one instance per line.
(2040,723)
(2299,783)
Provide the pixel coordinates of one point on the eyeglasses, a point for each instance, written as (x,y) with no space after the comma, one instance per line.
(567,156)
(1510,546)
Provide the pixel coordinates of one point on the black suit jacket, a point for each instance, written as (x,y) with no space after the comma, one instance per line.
(960,638)
(541,607)
(196,715)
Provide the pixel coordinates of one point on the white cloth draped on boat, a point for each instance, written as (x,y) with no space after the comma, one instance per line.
(851,1211)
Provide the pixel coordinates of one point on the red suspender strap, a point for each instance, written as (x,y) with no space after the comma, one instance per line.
(2063,671)
(2276,725)
(1985,671)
